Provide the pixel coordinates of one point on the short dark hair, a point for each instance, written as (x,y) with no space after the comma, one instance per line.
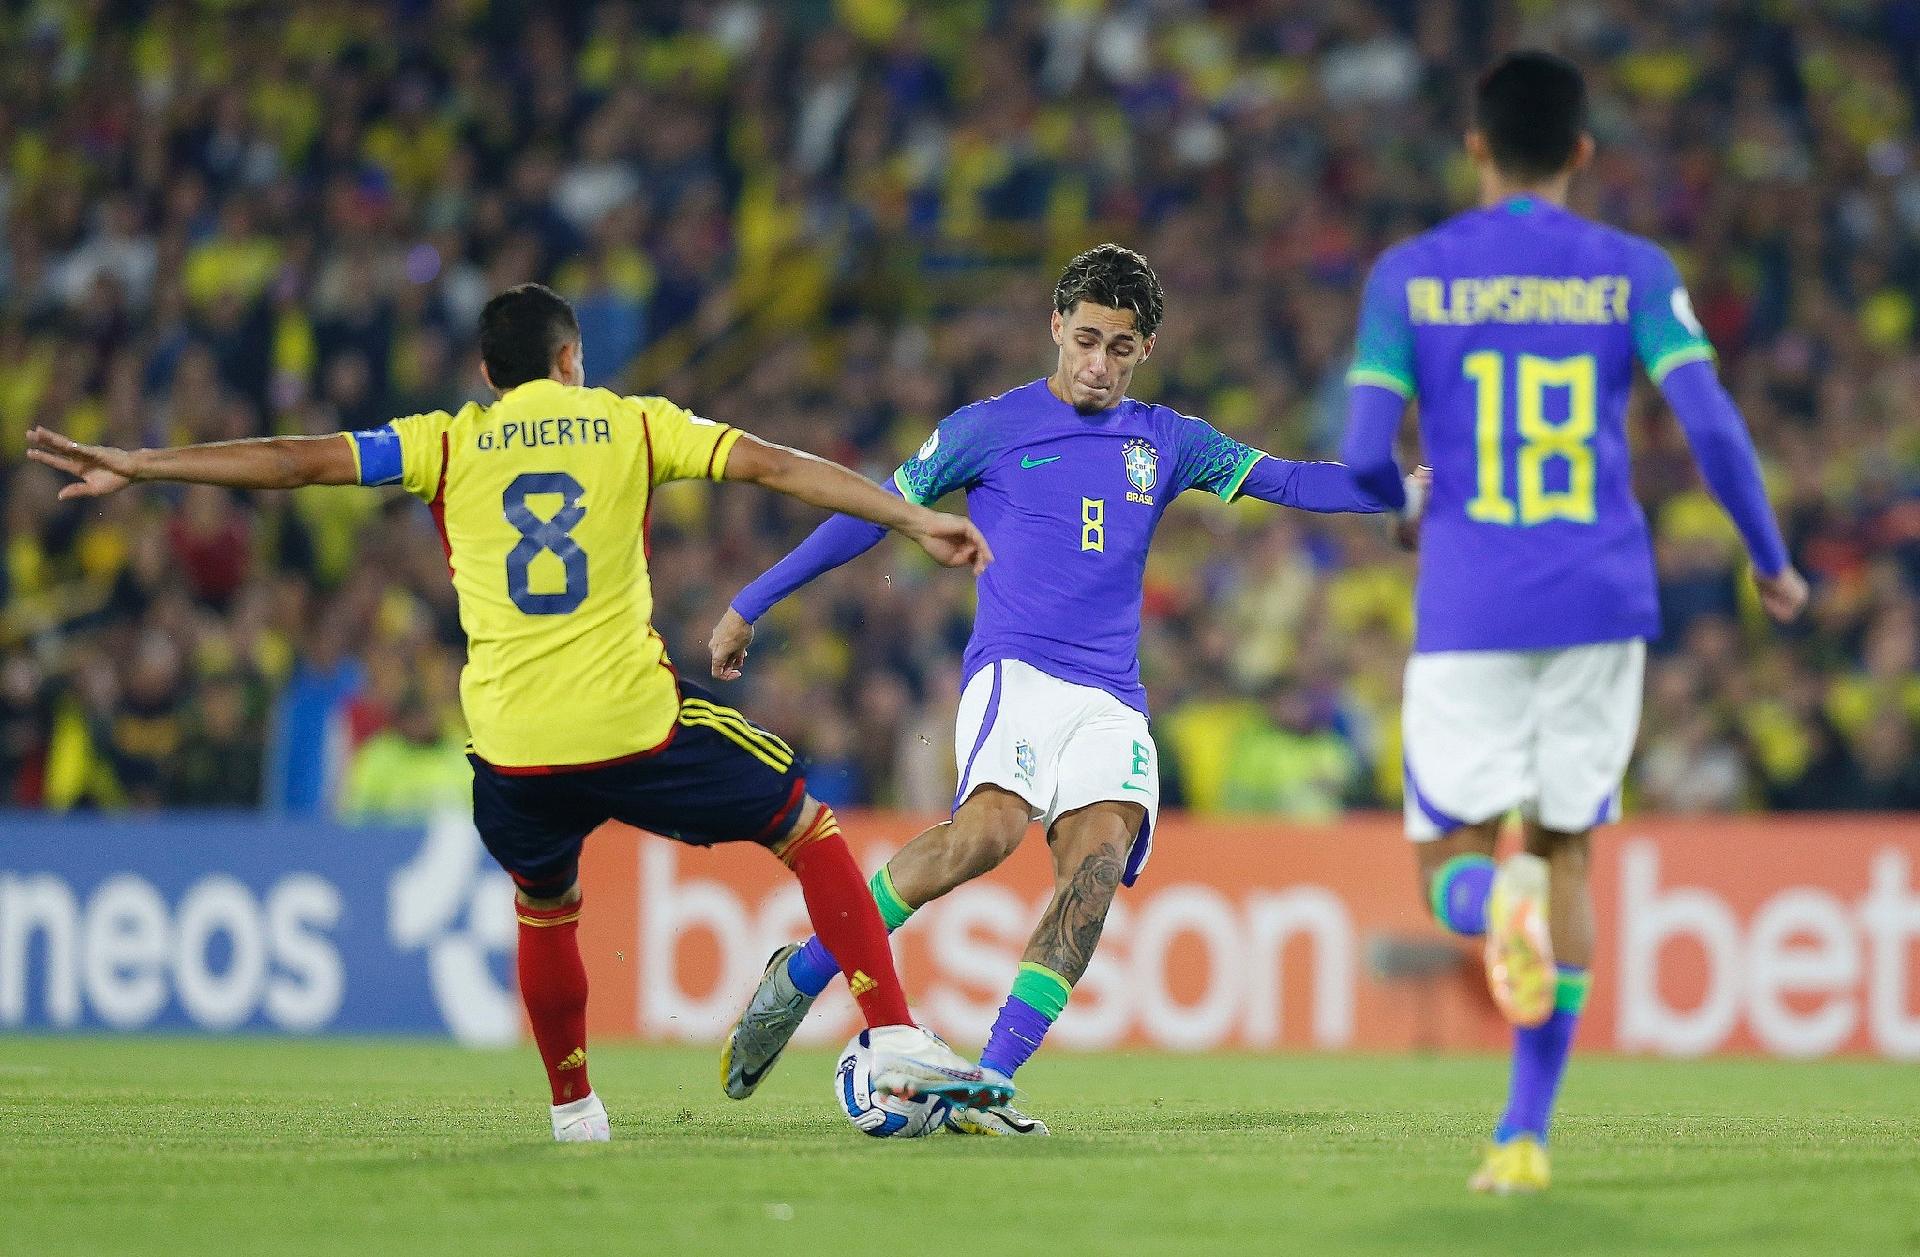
(1532,109)
(1114,276)
(521,330)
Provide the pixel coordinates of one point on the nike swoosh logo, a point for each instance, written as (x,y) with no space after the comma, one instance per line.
(1128,785)
(752,1077)
(1038,462)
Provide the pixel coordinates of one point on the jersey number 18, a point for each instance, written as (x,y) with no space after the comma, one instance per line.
(1541,440)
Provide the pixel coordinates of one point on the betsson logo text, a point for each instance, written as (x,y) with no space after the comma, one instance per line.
(120,956)
(1808,971)
(1806,974)
(1135,989)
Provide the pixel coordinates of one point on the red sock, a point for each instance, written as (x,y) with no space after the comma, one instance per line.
(844,917)
(553,985)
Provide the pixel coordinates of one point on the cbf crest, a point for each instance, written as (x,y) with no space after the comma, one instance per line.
(1024,760)
(1143,470)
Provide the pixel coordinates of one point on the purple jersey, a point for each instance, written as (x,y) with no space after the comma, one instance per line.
(1070,503)
(1517,328)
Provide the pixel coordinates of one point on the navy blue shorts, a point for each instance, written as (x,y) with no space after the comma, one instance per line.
(718,778)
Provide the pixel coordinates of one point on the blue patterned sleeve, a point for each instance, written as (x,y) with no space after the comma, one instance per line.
(1383,347)
(1206,458)
(1666,333)
(953,458)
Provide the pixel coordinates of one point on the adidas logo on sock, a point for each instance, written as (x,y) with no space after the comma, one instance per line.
(576,1059)
(859,983)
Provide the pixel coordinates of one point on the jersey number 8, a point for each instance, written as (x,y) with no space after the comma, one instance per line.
(554,536)
(1541,440)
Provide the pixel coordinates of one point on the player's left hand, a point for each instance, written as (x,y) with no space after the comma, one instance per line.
(952,540)
(728,644)
(1406,529)
(1784,596)
(99,469)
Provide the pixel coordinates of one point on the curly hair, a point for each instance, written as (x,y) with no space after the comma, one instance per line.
(1115,276)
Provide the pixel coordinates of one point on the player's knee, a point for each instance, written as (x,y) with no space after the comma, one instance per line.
(984,833)
(547,900)
(813,821)
(1567,853)
(802,816)
(541,894)
(974,853)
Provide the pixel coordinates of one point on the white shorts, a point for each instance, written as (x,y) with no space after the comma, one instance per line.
(1546,731)
(1058,745)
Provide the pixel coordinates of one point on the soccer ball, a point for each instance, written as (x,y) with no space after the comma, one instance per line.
(882,1116)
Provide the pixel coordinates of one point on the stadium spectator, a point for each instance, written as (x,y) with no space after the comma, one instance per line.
(25,717)
(218,762)
(411,770)
(1292,764)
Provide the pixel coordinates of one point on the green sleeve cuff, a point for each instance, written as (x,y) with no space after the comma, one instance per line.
(906,489)
(1665,363)
(1231,489)
(1382,379)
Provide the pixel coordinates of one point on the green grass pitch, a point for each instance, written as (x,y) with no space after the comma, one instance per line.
(231,1148)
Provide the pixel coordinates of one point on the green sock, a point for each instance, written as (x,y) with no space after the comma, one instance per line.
(893,909)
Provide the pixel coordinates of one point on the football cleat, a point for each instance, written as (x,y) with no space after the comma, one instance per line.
(764,1029)
(1519,951)
(584,1121)
(995,1119)
(911,1063)
(1515,1167)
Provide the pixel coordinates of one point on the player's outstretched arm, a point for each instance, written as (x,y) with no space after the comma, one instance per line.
(261,463)
(841,539)
(1724,452)
(1325,488)
(952,540)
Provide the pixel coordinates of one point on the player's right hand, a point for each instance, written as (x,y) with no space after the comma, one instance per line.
(98,469)
(729,643)
(1784,596)
(1406,527)
(952,540)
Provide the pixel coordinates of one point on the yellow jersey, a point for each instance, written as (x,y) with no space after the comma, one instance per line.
(542,502)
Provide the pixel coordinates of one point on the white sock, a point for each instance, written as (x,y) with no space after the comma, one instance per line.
(575,1109)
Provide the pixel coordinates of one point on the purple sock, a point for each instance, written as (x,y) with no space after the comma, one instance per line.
(813,967)
(1017,1033)
(1458,894)
(1539,1059)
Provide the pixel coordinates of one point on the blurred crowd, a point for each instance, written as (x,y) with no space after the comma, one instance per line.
(831,222)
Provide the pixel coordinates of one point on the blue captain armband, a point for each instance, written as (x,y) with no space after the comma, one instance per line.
(376,451)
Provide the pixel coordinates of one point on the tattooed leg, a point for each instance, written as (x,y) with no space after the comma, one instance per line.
(1089,854)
